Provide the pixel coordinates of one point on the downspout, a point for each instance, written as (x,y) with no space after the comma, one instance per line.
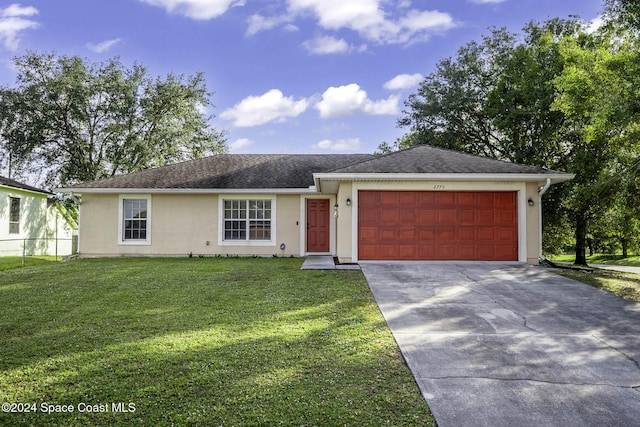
(541,192)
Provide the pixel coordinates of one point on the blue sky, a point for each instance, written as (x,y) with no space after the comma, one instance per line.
(288,76)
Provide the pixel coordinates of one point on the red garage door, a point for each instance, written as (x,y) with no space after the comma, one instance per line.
(435,225)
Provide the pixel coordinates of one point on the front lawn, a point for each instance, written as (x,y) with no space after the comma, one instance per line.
(231,342)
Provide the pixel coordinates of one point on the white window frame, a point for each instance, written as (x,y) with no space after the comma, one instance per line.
(132,242)
(11,199)
(247,242)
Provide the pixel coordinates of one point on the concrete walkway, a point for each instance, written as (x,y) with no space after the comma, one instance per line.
(497,344)
(627,269)
(624,268)
(325,262)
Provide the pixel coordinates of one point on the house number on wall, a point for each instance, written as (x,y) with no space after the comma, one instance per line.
(438,187)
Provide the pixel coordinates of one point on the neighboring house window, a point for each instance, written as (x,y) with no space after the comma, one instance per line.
(14,215)
(135,223)
(247,219)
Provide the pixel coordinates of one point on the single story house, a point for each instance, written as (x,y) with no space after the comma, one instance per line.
(31,222)
(422,203)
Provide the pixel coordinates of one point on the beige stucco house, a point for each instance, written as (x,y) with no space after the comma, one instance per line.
(423,203)
(31,223)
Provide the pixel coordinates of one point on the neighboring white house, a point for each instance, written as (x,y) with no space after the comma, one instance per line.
(31,223)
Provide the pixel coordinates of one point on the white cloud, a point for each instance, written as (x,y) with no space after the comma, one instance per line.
(370,21)
(351,144)
(326,45)
(272,106)
(259,23)
(403,81)
(240,144)
(103,46)
(595,24)
(13,21)
(351,99)
(196,9)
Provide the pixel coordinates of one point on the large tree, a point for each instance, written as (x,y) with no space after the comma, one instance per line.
(626,12)
(554,96)
(80,121)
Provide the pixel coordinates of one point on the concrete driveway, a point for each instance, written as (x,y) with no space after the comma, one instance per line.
(499,344)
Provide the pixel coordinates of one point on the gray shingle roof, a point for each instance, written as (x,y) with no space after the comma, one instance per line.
(280,171)
(429,159)
(233,171)
(15,184)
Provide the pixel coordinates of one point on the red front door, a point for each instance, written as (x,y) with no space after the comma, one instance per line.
(318,225)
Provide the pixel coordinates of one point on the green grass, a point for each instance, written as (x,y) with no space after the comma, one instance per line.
(11,262)
(633,261)
(625,285)
(232,342)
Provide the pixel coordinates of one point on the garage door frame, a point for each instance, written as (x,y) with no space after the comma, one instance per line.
(518,187)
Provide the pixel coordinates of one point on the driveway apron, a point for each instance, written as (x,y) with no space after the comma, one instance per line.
(500,344)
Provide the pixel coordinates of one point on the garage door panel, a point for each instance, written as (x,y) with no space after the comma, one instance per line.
(486,233)
(448,251)
(426,234)
(465,199)
(466,252)
(407,198)
(446,199)
(368,234)
(434,225)
(408,216)
(505,217)
(506,252)
(407,234)
(368,216)
(391,215)
(427,216)
(485,216)
(446,234)
(485,200)
(425,199)
(389,198)
(388,234)
(466,234)
(447,216)
(407,251)
(466,217)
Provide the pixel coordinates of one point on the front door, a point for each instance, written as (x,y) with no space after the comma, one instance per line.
(318,225)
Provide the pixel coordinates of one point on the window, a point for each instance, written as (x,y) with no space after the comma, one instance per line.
(135,227)
(247,220)
(14,215)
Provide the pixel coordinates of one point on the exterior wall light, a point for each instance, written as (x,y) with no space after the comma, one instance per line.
(348,202)
(530,202)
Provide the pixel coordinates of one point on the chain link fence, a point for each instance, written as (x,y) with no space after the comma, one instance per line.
(38,246)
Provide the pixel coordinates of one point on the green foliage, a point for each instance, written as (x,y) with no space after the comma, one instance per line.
(624,12)
(208,341)
(80,121)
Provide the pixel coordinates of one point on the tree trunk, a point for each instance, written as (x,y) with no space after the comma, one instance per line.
(581,240)
(590,246)
(625,246)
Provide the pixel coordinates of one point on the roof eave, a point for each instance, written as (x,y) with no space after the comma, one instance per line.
(39,192)
(88,190)
(500,177)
